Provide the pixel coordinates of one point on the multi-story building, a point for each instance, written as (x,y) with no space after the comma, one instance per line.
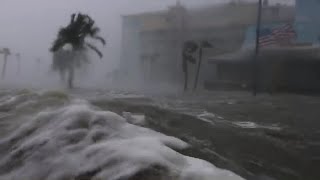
(152,41)
(287,67)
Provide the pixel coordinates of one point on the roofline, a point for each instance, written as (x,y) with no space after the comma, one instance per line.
(194,9)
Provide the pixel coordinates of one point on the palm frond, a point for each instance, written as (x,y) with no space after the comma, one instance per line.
(57,44)
(6,51)
(94,31)
(80,27)
(72,18)
(101,39)
(60,41)
(206,44)
(95,49)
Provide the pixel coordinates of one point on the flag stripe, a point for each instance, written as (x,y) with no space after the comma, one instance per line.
(277,36)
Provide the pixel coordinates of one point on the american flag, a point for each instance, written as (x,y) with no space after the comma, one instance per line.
(282,35)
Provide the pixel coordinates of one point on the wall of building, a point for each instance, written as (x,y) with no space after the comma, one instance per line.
(161,34)
(307,21)
(130,50)
(239,14)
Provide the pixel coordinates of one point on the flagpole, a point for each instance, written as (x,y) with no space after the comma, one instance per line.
(255,64)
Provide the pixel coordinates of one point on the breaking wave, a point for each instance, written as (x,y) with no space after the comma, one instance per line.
(77,141)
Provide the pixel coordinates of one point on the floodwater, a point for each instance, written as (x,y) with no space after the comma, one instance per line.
(101,134)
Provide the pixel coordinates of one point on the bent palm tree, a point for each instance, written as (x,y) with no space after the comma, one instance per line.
(75,34)
(6,52)
(203,45)
(189,48)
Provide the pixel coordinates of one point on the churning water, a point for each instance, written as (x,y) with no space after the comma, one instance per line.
(53,136)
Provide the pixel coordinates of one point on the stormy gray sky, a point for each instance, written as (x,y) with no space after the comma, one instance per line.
(29,26)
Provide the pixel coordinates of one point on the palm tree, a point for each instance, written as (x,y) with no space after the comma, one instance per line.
(203,45)
(75,34)
(6,53)
(189,48)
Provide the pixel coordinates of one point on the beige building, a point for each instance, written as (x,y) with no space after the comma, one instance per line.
(152,41)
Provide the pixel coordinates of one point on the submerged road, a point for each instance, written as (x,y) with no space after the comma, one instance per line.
(267,137)
(260,138)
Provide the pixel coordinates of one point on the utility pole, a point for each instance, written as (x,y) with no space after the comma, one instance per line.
(255,64)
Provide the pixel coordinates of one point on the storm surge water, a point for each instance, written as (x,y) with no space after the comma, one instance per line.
(50,136)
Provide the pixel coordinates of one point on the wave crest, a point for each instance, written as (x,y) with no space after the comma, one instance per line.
(81,142)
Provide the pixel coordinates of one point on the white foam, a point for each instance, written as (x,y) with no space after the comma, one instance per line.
(13,101)
(207,117)
(78,138)
(252,125)
(138,119)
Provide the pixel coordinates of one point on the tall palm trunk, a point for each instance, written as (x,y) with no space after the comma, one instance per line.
(70,77)
(3,74)
(71,69)
(62,74)
(198,70)
(185,72)
(186,81)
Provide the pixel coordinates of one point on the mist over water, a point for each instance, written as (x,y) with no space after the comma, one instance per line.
(29,28)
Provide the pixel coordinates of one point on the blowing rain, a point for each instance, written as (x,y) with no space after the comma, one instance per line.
(159,90)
